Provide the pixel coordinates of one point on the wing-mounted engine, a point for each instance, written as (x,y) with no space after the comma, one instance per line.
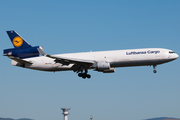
(110,70)
(23,53)
(104,67)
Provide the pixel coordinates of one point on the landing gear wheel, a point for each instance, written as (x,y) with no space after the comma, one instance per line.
(80,74)
(88,76)
(84,75)
(154,71)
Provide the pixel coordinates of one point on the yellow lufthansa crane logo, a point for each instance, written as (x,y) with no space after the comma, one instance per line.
(17,41)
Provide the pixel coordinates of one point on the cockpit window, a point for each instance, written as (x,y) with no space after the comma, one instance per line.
(171,52)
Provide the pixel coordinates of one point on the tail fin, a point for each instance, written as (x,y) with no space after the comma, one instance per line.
(22,48)
(17,40)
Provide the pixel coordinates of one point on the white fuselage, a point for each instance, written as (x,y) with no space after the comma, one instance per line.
(116,58)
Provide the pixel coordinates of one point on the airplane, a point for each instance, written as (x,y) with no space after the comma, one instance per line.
(26,56)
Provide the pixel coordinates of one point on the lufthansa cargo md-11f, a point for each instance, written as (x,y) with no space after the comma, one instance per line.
(24,55)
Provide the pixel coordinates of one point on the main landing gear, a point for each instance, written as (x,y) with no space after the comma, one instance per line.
(81,74)
(154,67)
(84,75)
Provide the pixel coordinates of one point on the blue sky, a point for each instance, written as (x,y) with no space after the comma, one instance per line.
(132,93)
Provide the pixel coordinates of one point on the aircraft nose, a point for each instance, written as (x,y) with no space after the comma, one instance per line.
(176,56)
(173,56)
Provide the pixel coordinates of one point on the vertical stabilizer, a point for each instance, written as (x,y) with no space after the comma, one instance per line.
(17,40)
(22,48)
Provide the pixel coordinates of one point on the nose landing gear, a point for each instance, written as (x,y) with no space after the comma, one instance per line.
(154,71)
(154,67)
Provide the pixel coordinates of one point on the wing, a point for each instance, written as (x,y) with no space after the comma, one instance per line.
(65,60)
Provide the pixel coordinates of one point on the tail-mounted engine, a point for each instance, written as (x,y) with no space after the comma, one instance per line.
(23,53)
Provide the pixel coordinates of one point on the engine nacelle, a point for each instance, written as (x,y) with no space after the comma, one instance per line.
(23,53)
(104,67)
(101,66)
(111,70)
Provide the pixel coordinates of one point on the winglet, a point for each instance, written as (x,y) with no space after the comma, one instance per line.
(41,52)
